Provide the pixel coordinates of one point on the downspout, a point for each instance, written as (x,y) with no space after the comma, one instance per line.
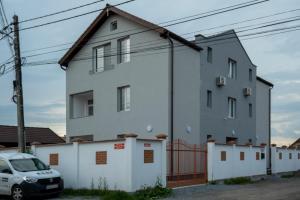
(171,81)
(270,151)
(63,67)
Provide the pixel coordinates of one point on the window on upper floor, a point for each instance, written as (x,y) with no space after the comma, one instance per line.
(232,69)
(231,107)
(102,57)
(124,50)
(113,25)
(250,75)
(81,104)
(124,98)
(209,54)
(209,99)
(250,110)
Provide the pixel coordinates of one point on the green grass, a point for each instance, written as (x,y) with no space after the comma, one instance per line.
(238,181)
(287,175)
(146,193)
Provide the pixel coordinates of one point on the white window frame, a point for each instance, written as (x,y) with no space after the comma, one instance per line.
(99,59)
(231,108)
(124,50)
(232,69)
(124,97)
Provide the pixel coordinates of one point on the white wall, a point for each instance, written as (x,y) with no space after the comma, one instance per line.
(125,168)
(233,166)
(285,164)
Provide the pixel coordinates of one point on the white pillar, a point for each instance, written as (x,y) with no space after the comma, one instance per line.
(76,165)
(210,160)
(130,148)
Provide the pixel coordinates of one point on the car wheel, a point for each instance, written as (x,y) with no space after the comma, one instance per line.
(17,193)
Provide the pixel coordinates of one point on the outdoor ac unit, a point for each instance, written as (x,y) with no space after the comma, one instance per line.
(247,91)
(221,81)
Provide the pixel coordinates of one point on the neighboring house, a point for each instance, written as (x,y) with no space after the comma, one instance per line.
(125,74)
(9,136)
(296,144)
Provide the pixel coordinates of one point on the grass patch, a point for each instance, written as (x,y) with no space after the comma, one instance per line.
(287,175)
(238,181)
(146,193)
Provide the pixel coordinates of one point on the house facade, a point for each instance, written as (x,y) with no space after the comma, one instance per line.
(125,74)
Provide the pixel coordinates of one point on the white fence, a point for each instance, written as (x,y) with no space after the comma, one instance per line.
(122,164)
(230,161)
(285,160)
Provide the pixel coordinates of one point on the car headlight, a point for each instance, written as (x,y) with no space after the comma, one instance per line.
(30,179)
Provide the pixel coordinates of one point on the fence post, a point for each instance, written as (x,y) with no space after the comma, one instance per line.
(210,159)
(163,139)
(273,158)
(130,147)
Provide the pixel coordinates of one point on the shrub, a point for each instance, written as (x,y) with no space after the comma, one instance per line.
(117,195)
(237,181)
(287,175)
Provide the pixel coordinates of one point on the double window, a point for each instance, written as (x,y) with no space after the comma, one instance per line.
(232,69)
(124,50)
(102,57)
(231,107)
(124,98)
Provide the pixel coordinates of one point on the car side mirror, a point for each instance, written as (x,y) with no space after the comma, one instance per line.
(7,171)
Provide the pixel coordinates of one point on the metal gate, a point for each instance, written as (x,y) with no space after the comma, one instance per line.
(187,165)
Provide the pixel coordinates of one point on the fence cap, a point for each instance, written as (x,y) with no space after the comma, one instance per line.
(263,144)
(249,144)
(130,135)
(273,145)
(211,141)
(284,147)
(78,140)
(161,136)
(231,142)
(35,143)
(1,146)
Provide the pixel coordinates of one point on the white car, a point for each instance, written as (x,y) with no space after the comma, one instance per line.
(23,175)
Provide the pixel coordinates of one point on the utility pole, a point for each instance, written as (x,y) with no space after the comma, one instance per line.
(18,86)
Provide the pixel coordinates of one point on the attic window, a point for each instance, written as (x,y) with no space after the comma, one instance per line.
(113,25)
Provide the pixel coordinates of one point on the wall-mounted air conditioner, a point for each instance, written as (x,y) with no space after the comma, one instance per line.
(221,81)
(247,91)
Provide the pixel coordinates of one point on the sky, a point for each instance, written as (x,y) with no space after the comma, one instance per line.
(277,56)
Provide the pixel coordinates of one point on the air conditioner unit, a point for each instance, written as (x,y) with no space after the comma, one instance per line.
(221,81)
(247,91)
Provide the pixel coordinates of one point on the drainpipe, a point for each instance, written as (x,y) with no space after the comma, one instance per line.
(270,151)
(171,81)
(63,67)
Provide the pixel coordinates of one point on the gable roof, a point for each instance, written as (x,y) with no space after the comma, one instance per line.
(9,134)
(107,11)
(228,32)
(264,81)
(296,143)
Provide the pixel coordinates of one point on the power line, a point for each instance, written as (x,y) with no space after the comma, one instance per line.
(150,29)
(72,17)
(62,11)
(294,28)
(258,27)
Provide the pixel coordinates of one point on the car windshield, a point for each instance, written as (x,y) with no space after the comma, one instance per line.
(27,165)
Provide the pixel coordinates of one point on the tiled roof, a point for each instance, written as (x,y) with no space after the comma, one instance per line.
(9,134)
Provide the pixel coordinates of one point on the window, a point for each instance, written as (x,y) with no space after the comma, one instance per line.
(113,25)
(223,155)
(250,110)
(209,55)
(231,107)
(232,69)
(90,105)
(124,50)
(290,156)
(209,99)
(81,105)
(124,98)
(242,155)
(4,168)
(298,156)
(280,156)
(102,57)
(250,75)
